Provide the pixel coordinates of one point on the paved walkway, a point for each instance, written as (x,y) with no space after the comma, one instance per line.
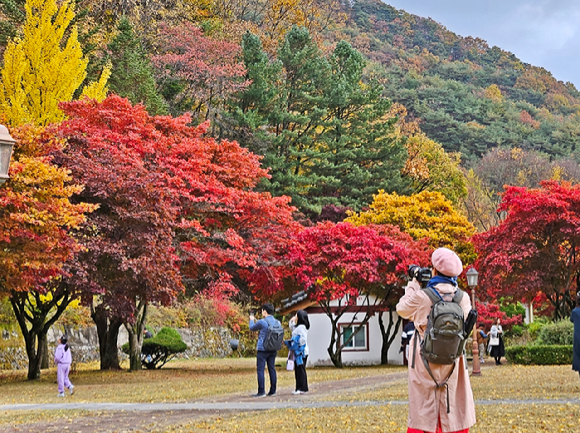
(263,404)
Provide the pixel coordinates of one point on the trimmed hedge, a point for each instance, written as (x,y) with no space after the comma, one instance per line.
(156,351)
(539,354)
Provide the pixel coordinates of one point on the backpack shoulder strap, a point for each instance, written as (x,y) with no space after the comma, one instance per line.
(430,292)
(458,296)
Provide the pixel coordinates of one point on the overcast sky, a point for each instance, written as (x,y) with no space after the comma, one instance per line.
(540,32)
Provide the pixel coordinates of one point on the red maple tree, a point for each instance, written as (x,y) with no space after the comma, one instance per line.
(37,246)
(349,269)
(208,70)
(535,249)
(175,207)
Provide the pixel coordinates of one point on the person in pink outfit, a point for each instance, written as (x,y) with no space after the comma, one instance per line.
(63,359)
(448,408)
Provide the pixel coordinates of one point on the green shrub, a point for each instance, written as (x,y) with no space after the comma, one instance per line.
(535,327)
(512,310)
(156,351)
(539,354)
(516,331)
(558,333)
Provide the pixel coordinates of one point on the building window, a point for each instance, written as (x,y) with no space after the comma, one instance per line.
(359,341)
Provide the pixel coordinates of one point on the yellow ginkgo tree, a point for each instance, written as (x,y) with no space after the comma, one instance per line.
(45,66)
(428,214)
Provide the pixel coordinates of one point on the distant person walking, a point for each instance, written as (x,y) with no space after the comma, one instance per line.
(496,341)
(63,359)
(264,358)
(481,337)
(299,325)
(575,319)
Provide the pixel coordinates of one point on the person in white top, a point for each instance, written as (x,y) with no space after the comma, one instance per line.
(496,342)
(299,325)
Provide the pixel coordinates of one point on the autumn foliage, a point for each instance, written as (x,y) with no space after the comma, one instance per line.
(206,71)
(535,249)
(345,268)
(163,178)
(45,67)
(426,215)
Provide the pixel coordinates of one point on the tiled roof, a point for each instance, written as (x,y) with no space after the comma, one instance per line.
(295,299)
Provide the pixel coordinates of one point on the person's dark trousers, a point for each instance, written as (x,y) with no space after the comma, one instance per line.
(263,359)
(300,376)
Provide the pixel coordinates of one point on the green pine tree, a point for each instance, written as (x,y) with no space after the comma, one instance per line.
(132,73)
(362,155)
(325,135)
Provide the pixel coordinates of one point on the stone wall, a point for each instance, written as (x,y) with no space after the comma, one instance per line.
(84,343)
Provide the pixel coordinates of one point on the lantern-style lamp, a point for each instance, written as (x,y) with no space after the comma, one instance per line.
(472,275)
(6,146)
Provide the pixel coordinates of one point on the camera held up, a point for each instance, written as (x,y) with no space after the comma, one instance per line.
(422,275)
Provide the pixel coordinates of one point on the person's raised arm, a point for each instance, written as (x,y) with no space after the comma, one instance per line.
(409,303)
(254,325)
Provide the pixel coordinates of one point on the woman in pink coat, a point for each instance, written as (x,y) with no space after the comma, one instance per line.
(427,402)
(63,359)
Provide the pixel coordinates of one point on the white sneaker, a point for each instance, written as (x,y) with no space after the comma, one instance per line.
(296,392)
(60,394)
(72,389)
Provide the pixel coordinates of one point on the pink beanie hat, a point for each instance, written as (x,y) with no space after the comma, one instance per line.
(447,262)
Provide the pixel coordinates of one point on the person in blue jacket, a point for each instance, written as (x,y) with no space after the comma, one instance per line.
(264,357)
(481,337)
(575,319)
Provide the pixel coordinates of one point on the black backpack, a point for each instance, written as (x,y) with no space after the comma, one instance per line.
(274,337)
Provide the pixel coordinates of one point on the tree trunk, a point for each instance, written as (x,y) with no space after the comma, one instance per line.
(34,349)
(44,364)
(388,335)
(108,333)
(336,345)
(32,313)
(135,331)
(111,355)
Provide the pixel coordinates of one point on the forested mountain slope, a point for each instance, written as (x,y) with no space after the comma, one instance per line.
(468,96)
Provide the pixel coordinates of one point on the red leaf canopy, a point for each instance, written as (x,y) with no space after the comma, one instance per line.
(171,200)
(336,260)
(535,249)
(36,216)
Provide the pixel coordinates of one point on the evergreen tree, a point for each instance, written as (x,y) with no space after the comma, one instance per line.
(363,154)
(326,135)
(132,73)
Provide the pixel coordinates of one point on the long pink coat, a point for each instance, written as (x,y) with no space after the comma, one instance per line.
(427,404)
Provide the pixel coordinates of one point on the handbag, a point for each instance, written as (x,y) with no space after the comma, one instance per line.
(494,341)
(290,361)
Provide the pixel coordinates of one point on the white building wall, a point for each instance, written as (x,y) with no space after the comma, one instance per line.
(319,340)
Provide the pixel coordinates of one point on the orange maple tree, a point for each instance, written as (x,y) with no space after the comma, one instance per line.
(37,245)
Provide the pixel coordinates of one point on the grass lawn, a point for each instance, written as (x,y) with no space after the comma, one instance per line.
(204,379)
(178,381)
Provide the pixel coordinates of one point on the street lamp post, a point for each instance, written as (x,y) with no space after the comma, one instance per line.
(6,146)
(472,275)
